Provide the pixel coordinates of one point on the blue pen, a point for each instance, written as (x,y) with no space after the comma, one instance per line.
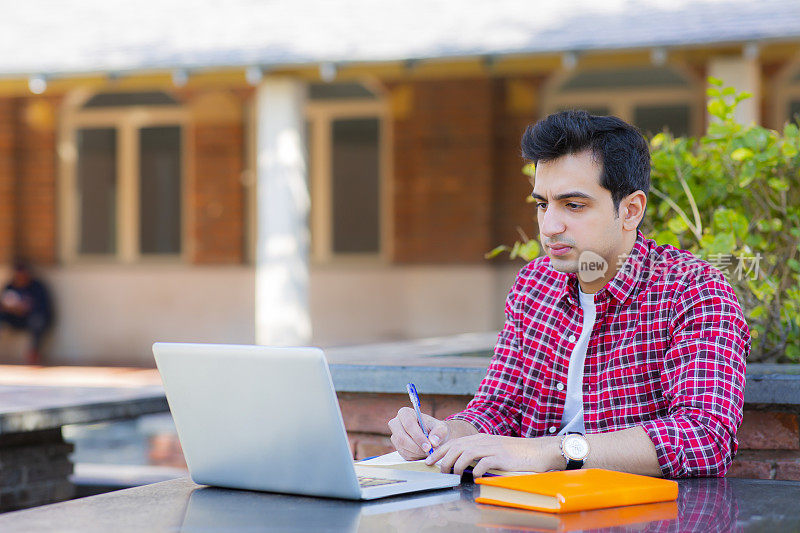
(412,393)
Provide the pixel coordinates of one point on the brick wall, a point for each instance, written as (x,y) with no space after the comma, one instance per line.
(458,186)
(28,178)
(442,171)
(35,469)
(366,416)
(516,106)
(216,192)
(769,444)
(7,178)
(216,196)
(36,179)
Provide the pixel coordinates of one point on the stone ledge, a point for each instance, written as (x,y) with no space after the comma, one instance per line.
(773,384)
(766,384)
(30,408)
(393,379)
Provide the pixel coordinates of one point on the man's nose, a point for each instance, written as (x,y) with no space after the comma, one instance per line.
(550,223)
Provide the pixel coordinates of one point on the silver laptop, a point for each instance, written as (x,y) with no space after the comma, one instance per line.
(266,418)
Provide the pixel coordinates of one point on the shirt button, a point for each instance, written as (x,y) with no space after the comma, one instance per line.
(572,338)
(560,386)
(552,429)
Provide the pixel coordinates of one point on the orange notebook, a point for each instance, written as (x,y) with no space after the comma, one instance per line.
(575,490)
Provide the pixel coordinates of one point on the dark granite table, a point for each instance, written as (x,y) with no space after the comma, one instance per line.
(180,505)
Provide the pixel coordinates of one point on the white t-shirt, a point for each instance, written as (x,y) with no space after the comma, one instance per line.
(573,406)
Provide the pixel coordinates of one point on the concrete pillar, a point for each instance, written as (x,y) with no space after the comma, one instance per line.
(282,233)
(743,73)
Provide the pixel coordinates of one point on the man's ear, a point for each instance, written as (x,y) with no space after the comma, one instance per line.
(631,209)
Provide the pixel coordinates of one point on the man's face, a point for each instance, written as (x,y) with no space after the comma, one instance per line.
(575,213)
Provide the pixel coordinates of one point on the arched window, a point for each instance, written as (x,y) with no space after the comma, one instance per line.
(123,187)
(347,147)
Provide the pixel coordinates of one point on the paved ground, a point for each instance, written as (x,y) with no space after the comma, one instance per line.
(78,376)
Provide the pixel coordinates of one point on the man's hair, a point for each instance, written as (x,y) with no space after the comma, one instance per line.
(617,146)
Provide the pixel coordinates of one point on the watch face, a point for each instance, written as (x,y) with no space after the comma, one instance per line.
(576,447)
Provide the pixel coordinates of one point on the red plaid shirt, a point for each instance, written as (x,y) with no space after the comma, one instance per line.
(667,352)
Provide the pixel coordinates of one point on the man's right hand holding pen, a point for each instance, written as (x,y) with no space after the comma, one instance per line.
(409,440)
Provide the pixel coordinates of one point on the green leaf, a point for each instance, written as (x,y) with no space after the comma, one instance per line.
(529,250)
(748,174)
(658,140)
(529,169)
(758,312)
(741,154)
(756,138)
(494,252)
(677,225)
(717,108)
(714,81)
(667,237)
(792,352)
(745,181)
(788,149)
(728,220)
(778,184)
(722,243)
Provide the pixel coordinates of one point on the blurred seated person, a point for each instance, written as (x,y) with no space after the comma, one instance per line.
(25,305)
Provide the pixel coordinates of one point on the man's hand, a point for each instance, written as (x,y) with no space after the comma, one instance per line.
(493,451)
(408,438)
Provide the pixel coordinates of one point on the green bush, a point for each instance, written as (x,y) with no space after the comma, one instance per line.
(732,198)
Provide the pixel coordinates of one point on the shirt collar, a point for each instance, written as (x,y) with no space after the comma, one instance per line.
(620,286)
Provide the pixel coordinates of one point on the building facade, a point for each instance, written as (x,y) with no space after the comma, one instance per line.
(149,201)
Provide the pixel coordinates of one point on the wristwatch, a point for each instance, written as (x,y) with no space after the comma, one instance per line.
(575,449)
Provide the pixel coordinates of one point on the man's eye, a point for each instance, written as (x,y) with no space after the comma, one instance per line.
(574,206)
(541,205)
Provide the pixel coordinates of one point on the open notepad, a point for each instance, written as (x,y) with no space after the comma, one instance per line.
(396,462)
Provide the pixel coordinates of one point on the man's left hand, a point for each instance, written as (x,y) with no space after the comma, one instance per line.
(497,452)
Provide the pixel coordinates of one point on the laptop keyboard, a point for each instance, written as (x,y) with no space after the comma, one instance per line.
(367,481)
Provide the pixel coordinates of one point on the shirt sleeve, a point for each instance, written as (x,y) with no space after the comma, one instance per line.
(495,409)
(703,382)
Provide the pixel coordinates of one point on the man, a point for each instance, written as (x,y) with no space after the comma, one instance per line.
(616,352)
(25,305)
